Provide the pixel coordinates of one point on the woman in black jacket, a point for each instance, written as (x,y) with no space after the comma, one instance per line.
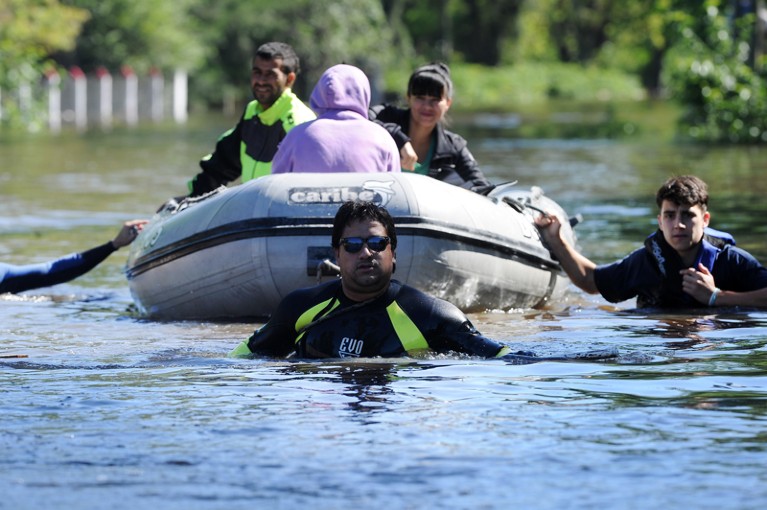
(426,147)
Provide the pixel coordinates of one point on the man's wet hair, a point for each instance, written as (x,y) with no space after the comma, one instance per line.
(684,190)
(283,51)
(359,210)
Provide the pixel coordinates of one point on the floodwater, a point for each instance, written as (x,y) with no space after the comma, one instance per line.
(103,409)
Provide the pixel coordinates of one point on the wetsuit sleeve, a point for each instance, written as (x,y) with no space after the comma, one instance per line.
(221,166)
(386,116)
(278,336)
(456,333)
(20,278)
(445,327)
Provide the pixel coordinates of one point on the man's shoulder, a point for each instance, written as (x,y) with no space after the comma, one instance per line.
(299,299)
(736,255)
(411,299)
(296,108)
(399,289)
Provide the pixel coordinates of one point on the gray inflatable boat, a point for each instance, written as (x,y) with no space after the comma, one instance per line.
(235,253)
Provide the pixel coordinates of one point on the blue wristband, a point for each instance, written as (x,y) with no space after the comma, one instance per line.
(712,299)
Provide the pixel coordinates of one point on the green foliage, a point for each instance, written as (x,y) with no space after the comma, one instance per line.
(529,45)
(323,33)
(709,72)
(579,50)
(351,31)
(482,88)
(471,30)
(142,34)
(29,31)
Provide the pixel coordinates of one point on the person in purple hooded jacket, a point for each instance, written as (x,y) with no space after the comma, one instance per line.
(341,139)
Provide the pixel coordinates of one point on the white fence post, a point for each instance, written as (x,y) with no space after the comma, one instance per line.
(180,96)
(131,95)
(53,82)
(80,107)
(156,100)
(105,97)
(25,101)
(74,98)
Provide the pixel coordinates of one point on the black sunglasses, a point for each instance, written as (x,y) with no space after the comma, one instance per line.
(354,244)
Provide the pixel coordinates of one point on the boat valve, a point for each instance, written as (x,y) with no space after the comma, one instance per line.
(575,220)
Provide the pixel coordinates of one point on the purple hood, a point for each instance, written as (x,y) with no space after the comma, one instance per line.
(342,87)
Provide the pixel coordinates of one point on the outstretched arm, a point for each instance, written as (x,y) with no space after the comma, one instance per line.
(579,268)
(16,279)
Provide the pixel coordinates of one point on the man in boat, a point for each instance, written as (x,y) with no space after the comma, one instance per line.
(366,313)
(683,264)
(341,139)
(246,151)
(14,279)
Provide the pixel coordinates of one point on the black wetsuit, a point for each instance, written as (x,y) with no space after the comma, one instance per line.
(320,322)
(20,278)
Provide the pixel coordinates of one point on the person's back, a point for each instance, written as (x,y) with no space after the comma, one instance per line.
(341,139)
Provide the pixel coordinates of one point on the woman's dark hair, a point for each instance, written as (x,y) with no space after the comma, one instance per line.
(684,190)
(431,80)
(358,210)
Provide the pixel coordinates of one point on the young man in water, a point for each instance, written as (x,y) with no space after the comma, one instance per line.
(246,151)
(365,313)
(681,265)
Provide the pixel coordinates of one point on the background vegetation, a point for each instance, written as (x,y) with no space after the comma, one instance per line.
(505,54)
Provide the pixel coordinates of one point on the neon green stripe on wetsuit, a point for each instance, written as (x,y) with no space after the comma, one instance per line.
(313,314)
(411,337)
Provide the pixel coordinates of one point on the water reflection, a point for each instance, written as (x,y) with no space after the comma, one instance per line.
(691,326)
(365,383)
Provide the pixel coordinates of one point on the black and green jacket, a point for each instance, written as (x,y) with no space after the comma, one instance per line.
(246,151)
(320,322)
